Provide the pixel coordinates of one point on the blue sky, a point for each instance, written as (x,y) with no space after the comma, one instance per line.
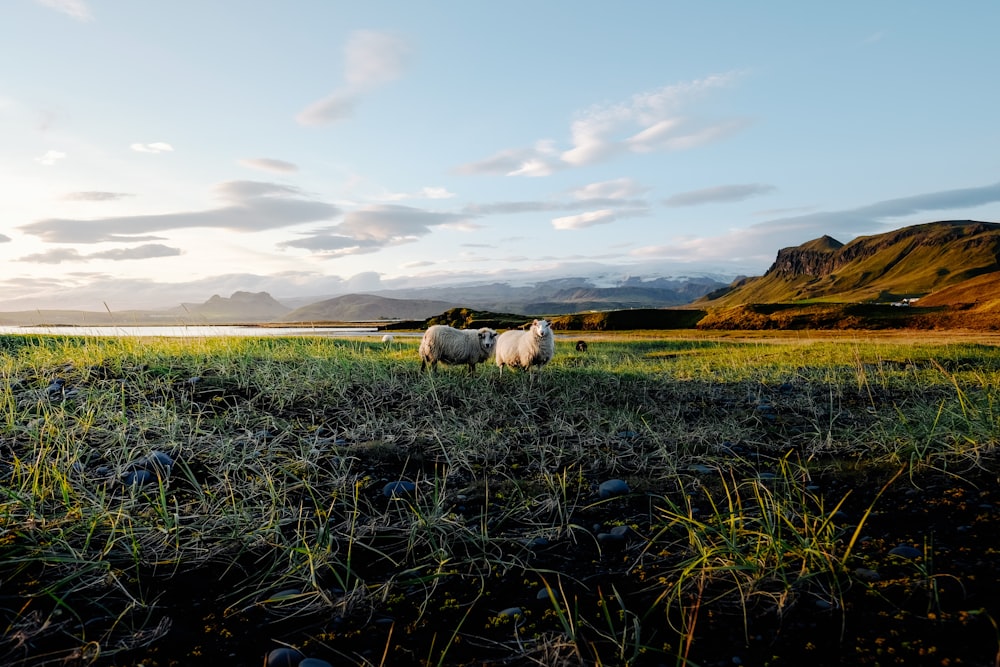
(159,152)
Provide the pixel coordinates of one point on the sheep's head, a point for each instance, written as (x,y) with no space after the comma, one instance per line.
(541,328)
(487,339)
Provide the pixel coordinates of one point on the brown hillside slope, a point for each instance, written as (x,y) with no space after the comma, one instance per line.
(908,262)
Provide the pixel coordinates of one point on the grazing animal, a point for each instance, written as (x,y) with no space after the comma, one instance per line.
(456,346)
(518,348)
(581,346)
(387,339)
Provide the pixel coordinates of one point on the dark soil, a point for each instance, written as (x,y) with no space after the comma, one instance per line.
(935,601)
(936,605)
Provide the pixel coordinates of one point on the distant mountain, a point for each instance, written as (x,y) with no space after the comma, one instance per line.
(241,307)
(366,308)
(567,295)
(906,263)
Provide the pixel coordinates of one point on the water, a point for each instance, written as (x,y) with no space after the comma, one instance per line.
(190,331)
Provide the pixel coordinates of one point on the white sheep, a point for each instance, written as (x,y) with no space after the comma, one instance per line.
(518,348)
(456,346)
(387,340)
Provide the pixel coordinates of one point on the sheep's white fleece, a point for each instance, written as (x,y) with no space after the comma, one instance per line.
(524,349)
(456,346)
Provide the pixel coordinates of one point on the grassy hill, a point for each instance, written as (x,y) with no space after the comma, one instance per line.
(909,262)
(366,308)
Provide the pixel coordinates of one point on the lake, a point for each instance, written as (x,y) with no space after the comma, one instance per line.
(199,331)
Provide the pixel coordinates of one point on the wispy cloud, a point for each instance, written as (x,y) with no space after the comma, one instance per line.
(718,194)
(646,122)
(423,193)
(155,147)
(95,195)
(50,158)
(4,238)
(372,228)
(269,164)
(371,59)
(78,9)
(251,206)
(619,188)
(759,243)
(60,255)
(588,219)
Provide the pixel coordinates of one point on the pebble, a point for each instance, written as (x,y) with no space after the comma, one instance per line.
(314,662)
(510,612)
(283,657)
(906,551)
(613,487)
(864,574)
(138,478)
(398,488)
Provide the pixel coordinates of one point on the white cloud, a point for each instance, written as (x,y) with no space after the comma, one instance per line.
(588,219)
(333,107)
(720,193)
(92,195)
(155,147)
(372,228)
(646,122)
(374,58)
(423,193)
(371,59)
(76,8)
(250,206)
(60,255)
(269,164)
(50,158)
(619,188)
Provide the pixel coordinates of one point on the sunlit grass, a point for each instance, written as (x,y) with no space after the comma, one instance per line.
(282,447)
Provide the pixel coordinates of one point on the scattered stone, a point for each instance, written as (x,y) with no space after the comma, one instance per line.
(617,536)
(627,435)
(701,468)
(398,488)
(906,551)
(613,487)
(283,657)
(314,662)
(158,462)
(138,478)
(510,612)
(864,574)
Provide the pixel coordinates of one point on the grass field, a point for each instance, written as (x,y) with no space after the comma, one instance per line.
(660,499)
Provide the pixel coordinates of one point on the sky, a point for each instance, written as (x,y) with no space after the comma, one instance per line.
(161,152)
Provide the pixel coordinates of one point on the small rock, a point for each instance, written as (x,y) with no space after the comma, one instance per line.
(399,488)
(864,574)
(906,551)
(613,487)
(510,612)
(138,478)
(701,468)
(609,539)
(283,657)
(314,662)
(159,462)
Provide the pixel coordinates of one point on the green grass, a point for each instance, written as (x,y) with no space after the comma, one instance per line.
(282,447)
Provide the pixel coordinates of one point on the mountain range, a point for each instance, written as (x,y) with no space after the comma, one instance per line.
(945,273)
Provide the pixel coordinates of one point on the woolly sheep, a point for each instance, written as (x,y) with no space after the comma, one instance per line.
(456,346)
(518,348)
(387,339)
